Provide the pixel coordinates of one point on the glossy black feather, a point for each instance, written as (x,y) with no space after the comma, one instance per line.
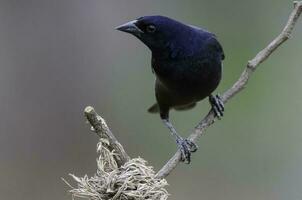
(186,60)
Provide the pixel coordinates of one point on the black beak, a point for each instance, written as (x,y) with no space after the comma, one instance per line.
(130,27)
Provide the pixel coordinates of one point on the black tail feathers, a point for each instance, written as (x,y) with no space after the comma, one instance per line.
(154,108)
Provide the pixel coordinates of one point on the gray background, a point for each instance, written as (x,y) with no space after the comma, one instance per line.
(58,56)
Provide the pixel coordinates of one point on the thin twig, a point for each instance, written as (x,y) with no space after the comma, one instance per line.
(102,130)
(239,85)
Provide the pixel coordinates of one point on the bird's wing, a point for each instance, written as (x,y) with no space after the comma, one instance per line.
(219,47)
(214,44)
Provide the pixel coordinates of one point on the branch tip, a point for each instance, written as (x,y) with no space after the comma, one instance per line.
(100,127)
(88,109)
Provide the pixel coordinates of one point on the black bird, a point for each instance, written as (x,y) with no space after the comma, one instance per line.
(187,63)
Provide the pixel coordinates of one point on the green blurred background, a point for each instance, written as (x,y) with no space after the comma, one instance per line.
(58,56)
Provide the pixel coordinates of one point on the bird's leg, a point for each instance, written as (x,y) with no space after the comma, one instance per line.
(217,105)
(185,146)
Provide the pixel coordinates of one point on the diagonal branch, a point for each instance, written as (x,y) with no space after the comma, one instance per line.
(239,85)
(102,130)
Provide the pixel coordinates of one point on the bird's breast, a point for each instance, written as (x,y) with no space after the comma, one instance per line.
(196,78)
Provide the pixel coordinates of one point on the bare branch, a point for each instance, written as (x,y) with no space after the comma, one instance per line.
(239,85)
(102,130)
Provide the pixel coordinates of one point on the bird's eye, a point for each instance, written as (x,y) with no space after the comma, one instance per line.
(150,28)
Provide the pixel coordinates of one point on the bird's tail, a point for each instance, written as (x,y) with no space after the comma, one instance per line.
(154,108)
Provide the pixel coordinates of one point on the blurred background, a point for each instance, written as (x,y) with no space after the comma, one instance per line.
(56,57)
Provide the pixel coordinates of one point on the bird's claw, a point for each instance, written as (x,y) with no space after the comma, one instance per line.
(217,105)
(186,147)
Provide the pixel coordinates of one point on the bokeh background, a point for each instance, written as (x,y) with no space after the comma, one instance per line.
(56,57)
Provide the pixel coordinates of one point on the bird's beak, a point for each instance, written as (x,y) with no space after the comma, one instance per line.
(130,27)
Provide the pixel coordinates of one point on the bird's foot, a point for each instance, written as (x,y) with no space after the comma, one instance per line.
(186,147)
(217,105)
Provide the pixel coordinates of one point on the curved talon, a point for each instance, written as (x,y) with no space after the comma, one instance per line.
(217,105)
(186,147)
(192,146)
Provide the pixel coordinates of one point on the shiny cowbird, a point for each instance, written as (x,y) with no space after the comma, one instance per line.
(187,63)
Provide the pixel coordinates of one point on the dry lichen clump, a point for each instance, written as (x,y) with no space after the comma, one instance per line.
(134,180)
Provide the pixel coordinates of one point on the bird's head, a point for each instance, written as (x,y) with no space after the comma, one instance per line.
(157,32)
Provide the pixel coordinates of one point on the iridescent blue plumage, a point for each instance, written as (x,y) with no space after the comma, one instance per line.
(187,62)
